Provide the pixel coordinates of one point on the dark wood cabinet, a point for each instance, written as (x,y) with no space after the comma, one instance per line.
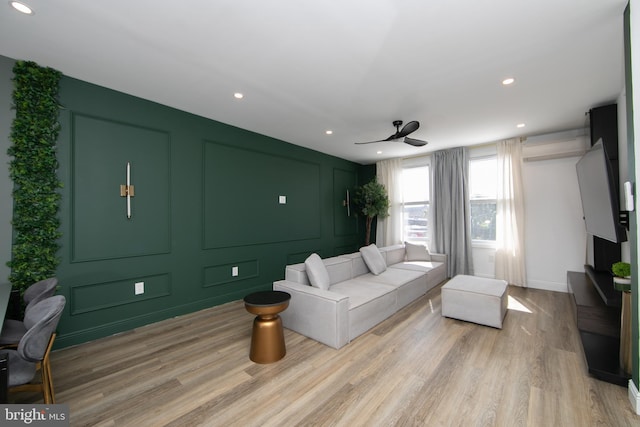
(599,328)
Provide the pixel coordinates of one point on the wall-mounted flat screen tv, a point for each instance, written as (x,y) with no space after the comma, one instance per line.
(599,200)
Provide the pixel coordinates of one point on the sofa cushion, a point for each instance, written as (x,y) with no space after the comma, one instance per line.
(395,277)
(424,266)
(317,272)
(361,291)
(417,252)
(373,258)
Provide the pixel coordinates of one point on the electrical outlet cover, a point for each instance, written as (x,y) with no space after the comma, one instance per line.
(139,288)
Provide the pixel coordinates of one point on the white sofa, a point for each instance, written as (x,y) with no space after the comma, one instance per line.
(356,299)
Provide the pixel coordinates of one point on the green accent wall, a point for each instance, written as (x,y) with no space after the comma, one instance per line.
(206,200)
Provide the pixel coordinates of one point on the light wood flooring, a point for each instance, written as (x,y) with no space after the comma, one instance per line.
(415,369)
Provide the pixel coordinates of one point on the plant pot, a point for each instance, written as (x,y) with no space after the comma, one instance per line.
(622,283)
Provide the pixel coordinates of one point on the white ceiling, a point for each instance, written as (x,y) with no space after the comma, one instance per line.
(352,66)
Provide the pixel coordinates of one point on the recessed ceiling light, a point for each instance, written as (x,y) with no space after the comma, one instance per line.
(21,7)
(508,81)
(520,125)
(238,95)
(329,132)
(378,152)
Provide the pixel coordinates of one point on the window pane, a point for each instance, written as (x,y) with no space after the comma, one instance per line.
(415,222)
(415,184)
(483,178)
(483,184)
(483,219)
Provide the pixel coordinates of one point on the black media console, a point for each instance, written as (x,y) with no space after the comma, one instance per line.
(596,305)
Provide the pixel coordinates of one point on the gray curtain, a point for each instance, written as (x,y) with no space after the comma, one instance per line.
(451,229)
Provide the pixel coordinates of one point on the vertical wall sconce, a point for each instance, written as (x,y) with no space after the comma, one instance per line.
(347,203)
(127,190)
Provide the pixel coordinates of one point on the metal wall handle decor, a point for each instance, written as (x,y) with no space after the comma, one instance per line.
(347,204)
(128,190)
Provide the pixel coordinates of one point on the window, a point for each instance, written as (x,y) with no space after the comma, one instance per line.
(415,211)
(483,184)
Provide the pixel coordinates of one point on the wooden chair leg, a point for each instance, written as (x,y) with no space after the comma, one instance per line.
(45,384)
(49,382)
(45,370)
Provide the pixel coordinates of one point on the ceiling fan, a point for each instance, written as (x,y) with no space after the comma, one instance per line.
(401,134)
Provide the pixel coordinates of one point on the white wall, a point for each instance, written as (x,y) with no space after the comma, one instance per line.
(555,237)
(625,248)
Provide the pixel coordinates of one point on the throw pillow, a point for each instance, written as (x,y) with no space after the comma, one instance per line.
(417,252)
(317,272)
(373,258)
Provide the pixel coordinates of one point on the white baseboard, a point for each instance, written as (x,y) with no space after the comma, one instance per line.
(548,286)
(537,284)
(634,397)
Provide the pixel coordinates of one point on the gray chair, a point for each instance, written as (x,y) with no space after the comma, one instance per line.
(39,291)
(13,330)
(34,348)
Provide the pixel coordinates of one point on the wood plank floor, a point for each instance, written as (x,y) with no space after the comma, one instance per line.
(415,369)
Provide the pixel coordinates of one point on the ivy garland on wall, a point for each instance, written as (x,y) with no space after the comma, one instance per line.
(34,133)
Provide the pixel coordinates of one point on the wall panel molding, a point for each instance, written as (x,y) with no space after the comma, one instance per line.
(101,149)
(219,275)
(243,186)
(104,295)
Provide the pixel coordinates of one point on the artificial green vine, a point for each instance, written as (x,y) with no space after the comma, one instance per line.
(34,133)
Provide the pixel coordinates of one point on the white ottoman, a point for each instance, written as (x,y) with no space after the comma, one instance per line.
(475,299)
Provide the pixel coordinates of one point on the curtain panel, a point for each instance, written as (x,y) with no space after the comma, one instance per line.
(451,229)
(510,260)
(389,229)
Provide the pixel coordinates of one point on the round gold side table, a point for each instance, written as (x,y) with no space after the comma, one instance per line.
(267,339)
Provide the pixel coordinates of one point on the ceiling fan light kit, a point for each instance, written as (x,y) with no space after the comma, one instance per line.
(401,134)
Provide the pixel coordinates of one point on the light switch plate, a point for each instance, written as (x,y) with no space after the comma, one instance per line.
(282,200)
(139,288)
(234,271)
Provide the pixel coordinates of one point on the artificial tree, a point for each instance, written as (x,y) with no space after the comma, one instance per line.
(371,200)
(33,168)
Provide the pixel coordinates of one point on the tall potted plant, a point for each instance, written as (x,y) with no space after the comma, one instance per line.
(371,200)
(33,169)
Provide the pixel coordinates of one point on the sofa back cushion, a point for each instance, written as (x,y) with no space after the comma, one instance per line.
(339,270)
(358,267)
(393,254)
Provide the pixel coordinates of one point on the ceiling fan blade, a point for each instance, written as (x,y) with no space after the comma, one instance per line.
(370,142)
(415,142)
(410,127)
